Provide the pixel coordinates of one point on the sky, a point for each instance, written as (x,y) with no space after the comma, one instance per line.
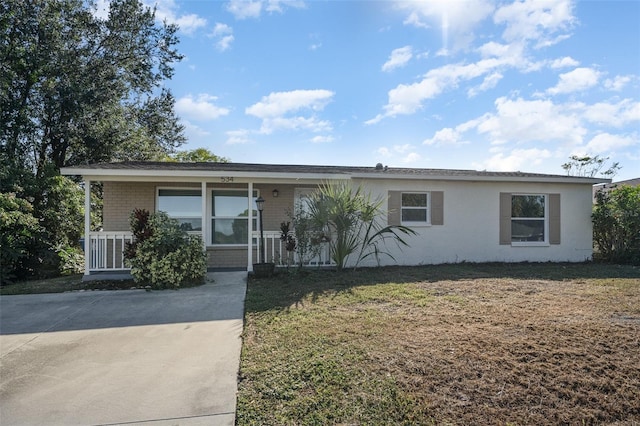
(483,85)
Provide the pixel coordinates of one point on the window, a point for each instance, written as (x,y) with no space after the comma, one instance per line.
(528,218)
(185,205)
(415,208)
(230,216)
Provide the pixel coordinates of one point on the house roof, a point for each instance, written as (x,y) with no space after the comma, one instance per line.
(630,182)
(102,171)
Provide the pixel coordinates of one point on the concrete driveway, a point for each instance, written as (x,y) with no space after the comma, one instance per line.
(123,357)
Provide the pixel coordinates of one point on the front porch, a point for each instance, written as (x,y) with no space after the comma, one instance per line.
(105,253)
(214,200)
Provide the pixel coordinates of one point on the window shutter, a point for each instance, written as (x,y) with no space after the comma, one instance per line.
(394,208)
(437,208)
(554,218)
(505,218)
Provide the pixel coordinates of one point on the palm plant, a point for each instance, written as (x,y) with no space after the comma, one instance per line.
(354,222)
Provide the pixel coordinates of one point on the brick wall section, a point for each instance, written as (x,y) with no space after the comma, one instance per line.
(228,257)
(276,210)
(120,198)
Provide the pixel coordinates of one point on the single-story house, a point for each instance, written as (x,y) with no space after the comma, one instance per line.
(458,215)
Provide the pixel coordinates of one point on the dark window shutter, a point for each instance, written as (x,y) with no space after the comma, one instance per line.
(505,218)
(554,218)
(437,208)
(394,207)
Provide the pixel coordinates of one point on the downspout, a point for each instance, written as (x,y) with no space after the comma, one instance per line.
(204,215)
(87,227)
(250,228)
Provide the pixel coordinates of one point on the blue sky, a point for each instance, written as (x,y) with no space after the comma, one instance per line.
(438,84)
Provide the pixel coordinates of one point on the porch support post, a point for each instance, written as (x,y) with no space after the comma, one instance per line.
(250,233)
(204,214)
(87,226)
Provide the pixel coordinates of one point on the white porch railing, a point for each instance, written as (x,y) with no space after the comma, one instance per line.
(276,252)
(106,250)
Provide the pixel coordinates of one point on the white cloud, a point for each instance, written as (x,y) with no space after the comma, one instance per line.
(224,43)
(565,62)
(279,103)
(194,131)
(408,98)
(517,159)
(398,58)
(322,139)
(277,110)
(536,20)
(489,82)
(221,29)
(412,157)
(237,137)
(445,137)
(200,108)
(167,10)
(617,114)
(456,19)
(402,148)
(224,35)
(574,81)
(521,120)
(618,82)
(279,5)
(606,142)
(244,9)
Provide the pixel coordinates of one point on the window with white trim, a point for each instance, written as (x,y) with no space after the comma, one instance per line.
(414,208)
(185,205)
(230,216)
(529,218)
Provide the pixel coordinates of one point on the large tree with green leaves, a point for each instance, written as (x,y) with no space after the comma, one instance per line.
(76,88)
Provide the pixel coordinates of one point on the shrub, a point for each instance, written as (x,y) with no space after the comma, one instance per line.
(616,225)
(20,232)
(164,255)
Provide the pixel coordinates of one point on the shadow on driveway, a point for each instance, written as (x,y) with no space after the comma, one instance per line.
(122,357)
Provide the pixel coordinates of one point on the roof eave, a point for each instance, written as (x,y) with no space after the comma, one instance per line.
(120,174)
(480,178)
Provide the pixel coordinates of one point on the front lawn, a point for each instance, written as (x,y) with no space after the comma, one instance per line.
(449,344)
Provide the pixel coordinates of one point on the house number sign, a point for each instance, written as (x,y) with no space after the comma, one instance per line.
(226,179)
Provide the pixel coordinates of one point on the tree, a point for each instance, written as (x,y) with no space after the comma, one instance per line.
(76,89)
(353,221)
(590,166)
(198,155)
(616,224)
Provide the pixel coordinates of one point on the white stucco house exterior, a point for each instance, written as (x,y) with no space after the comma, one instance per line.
(458,215)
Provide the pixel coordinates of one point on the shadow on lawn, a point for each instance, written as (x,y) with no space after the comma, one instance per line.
(288,288)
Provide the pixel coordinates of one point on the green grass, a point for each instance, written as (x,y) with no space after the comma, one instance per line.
(62,284)
(446,344)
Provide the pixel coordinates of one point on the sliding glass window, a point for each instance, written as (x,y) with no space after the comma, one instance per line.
(230,216)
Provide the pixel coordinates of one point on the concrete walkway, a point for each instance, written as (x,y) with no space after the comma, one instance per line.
(123,357)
